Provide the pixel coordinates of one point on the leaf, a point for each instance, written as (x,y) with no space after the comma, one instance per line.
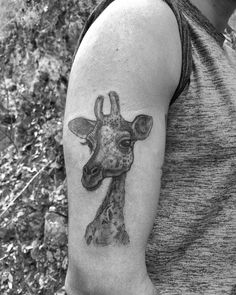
(10,280)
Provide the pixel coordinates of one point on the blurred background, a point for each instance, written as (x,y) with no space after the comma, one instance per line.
(37,42)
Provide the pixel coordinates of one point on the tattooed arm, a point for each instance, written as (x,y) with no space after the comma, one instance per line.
(121,83)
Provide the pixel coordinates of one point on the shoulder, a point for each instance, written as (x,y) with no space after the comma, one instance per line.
(136,39)
(142,14)
(143,9)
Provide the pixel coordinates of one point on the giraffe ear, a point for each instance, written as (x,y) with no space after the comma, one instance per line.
(81,127)
(142,126)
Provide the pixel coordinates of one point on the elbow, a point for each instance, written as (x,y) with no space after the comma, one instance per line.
(102,283)
(89,288)
(79,283)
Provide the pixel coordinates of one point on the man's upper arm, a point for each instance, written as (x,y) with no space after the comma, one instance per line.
(121,83)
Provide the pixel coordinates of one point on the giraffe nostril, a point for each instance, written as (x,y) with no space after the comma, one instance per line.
(95,170)
(91,171)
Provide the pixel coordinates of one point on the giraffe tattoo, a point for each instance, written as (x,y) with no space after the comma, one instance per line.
(111,141)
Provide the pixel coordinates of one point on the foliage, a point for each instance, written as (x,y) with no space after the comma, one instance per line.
(37,42)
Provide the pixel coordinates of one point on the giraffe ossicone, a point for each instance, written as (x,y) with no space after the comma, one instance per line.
(111,140)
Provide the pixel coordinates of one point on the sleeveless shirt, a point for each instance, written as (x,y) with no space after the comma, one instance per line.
(192,248)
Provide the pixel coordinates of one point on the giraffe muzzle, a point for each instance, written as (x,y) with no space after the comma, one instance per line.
(92,177)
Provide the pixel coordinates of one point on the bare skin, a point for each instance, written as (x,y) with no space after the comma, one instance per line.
(217,12)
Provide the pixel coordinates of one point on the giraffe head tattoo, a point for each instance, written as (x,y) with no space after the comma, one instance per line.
(110,139)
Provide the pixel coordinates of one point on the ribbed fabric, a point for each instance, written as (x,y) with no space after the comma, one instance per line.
(195,14)
(192,249)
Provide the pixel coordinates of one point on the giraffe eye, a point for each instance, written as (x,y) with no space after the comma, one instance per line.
(125,143)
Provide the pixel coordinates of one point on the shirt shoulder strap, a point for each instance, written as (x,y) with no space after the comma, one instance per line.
(186,49)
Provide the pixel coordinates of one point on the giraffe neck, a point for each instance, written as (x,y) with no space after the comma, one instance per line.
(108,226)
(115,196)
(116,189)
